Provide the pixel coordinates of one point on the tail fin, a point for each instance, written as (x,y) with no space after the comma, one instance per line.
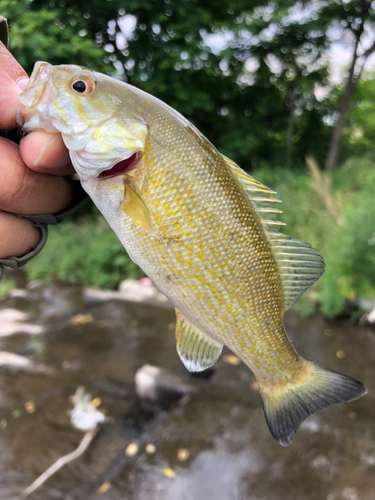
(320,388)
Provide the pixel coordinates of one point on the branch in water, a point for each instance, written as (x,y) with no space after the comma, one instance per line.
(87,438)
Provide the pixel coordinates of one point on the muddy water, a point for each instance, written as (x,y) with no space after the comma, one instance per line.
(100,343)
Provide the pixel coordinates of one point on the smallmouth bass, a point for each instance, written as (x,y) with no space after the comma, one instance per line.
(202,229)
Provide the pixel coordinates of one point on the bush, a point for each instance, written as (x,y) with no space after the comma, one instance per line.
(338,220)
(351,257)
(85,252)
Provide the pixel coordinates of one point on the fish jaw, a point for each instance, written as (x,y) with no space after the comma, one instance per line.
(105,146)
(40,91)
(97,129)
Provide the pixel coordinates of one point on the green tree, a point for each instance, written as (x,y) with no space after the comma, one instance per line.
(359,130)
(166,54)
(288,43)
(357,18)
(250,114)
(40,34)
(292,38)
(253,94)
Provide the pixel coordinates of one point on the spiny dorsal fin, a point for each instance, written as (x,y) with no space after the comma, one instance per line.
(196,350)
(299,264)
(261,196)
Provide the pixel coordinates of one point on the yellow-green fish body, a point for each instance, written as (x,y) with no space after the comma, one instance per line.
(202,229)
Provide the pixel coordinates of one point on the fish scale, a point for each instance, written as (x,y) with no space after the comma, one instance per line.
(203,230)
(252,284)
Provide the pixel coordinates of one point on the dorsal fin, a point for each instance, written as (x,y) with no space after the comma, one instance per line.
(261,196)
(299,264)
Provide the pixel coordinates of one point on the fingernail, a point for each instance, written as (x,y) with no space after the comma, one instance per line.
(22,82)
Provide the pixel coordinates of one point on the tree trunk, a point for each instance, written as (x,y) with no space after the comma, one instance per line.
(334,146)
(351,84)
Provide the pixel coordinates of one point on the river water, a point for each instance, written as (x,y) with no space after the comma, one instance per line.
(64,337)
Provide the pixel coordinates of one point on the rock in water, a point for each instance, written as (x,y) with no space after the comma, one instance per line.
(155,385)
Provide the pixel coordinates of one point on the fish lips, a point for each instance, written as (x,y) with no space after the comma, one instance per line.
(39,92)
(35,88)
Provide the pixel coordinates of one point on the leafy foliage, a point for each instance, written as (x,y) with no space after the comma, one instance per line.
(340,223)
(40,35)
(245,73)
(359,131)
(85,252)
(351,252)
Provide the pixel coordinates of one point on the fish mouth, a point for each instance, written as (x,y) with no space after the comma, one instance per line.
(35,98)
(122,167)
(41,71)
(36,87)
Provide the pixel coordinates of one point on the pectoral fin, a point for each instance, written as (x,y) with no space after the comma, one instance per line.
(197,351)
(135,208)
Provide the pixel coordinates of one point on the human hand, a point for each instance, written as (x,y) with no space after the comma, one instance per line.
(31,179)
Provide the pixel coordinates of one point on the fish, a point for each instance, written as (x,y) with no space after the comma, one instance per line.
(199,226)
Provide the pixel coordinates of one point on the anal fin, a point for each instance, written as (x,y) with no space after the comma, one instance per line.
(196,350)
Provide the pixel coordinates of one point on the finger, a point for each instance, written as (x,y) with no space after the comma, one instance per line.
(17,236)
(10,73)
(27,192)
(44,152)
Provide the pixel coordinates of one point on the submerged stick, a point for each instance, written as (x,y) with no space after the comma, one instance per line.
(83,445)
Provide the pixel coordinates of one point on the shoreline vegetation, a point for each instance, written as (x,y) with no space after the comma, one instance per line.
(334,212)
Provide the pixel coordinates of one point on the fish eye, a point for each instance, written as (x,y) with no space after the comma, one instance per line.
(82,85)
(79,86)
